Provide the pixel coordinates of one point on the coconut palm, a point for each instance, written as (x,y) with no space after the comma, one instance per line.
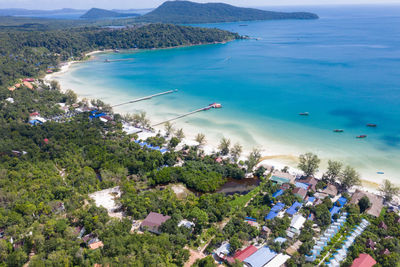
(224,146)
(168,128)
(236,151)
(180,134)
(201,139)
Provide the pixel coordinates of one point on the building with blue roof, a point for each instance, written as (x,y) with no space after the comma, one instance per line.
(341,201)
(274,211)
(278,193)
(261,257)
(294,208)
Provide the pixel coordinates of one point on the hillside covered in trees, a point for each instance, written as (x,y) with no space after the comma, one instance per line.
(189,12)
(26,53)
(98,13)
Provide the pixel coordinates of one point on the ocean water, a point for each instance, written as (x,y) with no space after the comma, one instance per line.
(344,69)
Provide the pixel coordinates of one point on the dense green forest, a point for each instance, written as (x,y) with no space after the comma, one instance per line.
(27,53)
(97,13)
(47,171)
(186,12)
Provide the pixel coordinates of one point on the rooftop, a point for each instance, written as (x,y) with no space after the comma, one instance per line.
(155,219)
(261,257)
(364,260)
(376,202)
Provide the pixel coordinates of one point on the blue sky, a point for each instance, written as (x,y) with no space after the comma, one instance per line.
(127,4)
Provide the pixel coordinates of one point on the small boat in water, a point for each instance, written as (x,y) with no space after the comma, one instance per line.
(304,114)
(338,130)
(107,60)
(243,25)
(371,125)
(361,136)
(380,173)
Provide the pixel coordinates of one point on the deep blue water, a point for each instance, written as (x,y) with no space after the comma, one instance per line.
(344,69)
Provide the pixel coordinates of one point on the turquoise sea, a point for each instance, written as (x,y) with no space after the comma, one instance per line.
(344,69)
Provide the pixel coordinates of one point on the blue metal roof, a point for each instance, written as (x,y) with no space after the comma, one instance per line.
(294,208)
(342,201)
(274,211)
(334,210)
(278,193)
(311,199)
(260,257)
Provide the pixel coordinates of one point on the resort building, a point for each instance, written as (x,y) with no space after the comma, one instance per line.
(330,190)
(310,181)
(153,221)
(300,192)
(375,200)
(282,177)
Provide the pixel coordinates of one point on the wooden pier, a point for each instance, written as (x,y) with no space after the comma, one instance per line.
(146,98)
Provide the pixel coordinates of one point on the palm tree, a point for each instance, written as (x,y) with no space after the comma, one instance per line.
(236,151)
(224,146)
(201,139)
(168,128)
(180,134)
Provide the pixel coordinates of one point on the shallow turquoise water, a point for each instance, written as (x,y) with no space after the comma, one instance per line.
(344,69)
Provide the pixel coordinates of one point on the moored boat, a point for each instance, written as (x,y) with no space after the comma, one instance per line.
(371,125)
(304,114)
(338,130)
(361,136)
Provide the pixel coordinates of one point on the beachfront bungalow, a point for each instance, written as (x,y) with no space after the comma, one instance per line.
(330,190)
(310,181)
(260,258)
(282,177)
(364,260)
(153,222)
(375,200)
(300,192)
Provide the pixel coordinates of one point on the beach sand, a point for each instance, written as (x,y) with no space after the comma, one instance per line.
(276,151)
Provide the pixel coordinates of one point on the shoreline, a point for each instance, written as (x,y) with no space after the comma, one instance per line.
(279,160)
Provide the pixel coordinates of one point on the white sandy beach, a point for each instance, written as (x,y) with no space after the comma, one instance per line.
(279,154)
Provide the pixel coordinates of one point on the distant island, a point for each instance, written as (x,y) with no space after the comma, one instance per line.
(190,12)
(97,13)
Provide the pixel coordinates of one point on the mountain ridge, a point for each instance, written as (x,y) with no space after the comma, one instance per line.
(190,12)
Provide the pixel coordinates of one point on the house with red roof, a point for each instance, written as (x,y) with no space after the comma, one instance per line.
(241,255)
(153,221)
(364,260)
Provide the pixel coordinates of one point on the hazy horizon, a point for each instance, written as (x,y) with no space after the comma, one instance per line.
(136,4)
